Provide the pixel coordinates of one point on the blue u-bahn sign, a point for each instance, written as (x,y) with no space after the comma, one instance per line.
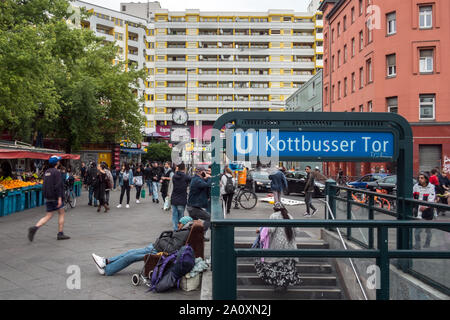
(324,145)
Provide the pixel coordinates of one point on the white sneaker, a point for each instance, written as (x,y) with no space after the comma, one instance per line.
(127,206)
(99,263)
(119,206)
(137,201)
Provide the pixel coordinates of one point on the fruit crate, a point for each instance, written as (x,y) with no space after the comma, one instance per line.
(3,203)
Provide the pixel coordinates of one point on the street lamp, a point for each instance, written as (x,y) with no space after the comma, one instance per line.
(186,108)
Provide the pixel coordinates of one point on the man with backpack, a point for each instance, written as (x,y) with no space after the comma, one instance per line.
(109,182)
(110,266)
(227,188)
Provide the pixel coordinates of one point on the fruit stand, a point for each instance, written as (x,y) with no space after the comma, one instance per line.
(18,195)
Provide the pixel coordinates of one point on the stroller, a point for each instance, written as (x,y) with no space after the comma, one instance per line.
(195,240)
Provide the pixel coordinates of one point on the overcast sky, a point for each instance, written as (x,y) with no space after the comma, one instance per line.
(216,5)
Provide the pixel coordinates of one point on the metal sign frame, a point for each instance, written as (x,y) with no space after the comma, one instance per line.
(221,240)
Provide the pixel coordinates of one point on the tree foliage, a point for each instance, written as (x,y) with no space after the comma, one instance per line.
(61,80)
(158,152)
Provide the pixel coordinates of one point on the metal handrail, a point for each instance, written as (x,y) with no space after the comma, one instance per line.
(345,248)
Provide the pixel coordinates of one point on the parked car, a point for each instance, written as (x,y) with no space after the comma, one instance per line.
(297,181)
(362,182)
(388,183)
(260,180)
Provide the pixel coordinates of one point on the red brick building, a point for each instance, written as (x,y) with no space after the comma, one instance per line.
(391,56)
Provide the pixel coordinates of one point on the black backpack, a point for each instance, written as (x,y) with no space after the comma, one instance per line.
(171,241)
(229,186)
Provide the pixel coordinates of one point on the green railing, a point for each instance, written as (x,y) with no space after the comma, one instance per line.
(225,254)
(344,195)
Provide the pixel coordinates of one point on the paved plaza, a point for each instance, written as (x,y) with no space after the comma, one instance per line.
(41,269)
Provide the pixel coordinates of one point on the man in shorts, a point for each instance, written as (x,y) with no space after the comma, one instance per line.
(53,190)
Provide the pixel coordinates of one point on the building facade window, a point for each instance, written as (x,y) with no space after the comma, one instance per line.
(392,104)
(425,17)
(391,19)
(353,14)
(427,106)
(361,78)
(361,7)
(369,71)
(353,47)
(353,82)
(361,40)
(361,108)
(345,86)
(370,106)
(426,63)
(391,65)
(344,22)
(345,54)
(339,90)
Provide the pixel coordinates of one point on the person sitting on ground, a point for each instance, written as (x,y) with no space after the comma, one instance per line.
(110,266)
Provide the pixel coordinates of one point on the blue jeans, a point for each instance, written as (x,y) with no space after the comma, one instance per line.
(115,181)
(155,190)
(150,187)
(91,195)
(123,260)
(177,214)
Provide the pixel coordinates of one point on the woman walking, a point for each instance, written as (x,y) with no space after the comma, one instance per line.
(280,272)
(101,184)
(227,187)
(125,182)
(138,180)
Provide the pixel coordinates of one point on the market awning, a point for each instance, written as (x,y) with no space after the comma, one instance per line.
(24,154)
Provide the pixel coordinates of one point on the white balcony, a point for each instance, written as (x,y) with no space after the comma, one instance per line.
(319,23)
(107,37)
(319,36)
(319,49)
(132,43)
(319,63)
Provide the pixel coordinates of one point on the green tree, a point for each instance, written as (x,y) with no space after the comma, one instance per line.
(60,80)
(158,152)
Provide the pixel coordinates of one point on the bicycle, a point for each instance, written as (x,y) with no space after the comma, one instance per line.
(70,201)
(246,198)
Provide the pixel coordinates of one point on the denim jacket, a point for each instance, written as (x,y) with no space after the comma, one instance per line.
(130,178)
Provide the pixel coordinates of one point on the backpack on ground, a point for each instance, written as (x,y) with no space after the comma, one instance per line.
(229,186)
(169,270)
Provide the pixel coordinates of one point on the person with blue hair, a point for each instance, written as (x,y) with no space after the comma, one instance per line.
(110,266)
(53,191)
